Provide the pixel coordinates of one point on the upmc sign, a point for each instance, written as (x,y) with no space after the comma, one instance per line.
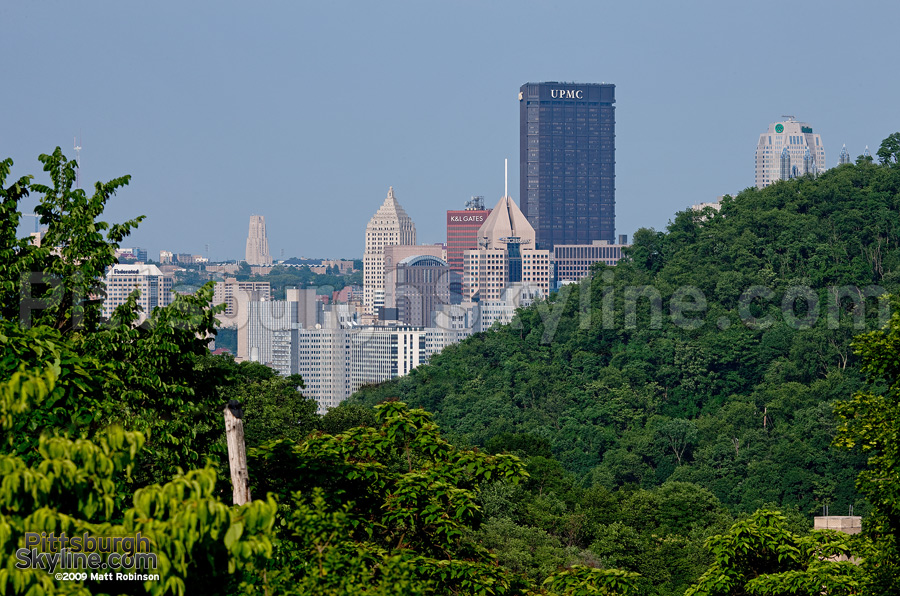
(567,94)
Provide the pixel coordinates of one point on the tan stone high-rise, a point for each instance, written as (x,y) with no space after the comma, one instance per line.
(506,255)
(257,243)
(389,226)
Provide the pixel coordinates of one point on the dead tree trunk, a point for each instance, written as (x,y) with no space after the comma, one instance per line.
(237,452)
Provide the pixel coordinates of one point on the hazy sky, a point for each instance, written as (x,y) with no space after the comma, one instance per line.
(307,112)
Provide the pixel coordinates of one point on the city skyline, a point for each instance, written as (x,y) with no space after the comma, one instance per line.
(210,120)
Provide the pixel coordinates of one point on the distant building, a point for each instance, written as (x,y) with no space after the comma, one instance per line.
(573,261)
(335,362)
(462,235)
(502,310)
(155,288)
(422,286)
(390,225)
(131,254)
(257,252)
(844,157)
(567,145)
(230,291)
(378,354)
(506,255)
(269,333)
(166,257)
(789,149)
(393,256)
(322,358)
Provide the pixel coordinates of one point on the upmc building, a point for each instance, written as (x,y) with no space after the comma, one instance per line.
(567,161)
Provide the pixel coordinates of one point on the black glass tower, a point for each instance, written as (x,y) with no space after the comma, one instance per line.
(567,161)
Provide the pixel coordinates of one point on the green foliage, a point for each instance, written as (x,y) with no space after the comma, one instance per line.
(346,416)
(870,422)
(376,505)
(889,151)
(626,393)
(583,581)
(75,487)
(273,406)
(760,555)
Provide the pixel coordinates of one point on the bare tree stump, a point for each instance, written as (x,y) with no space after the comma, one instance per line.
(237,452)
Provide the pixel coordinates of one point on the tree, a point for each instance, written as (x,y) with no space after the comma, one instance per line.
(76,486)
(374,504)
(889,152)
(761,556)
(678,435)
(870,421)
(273,406)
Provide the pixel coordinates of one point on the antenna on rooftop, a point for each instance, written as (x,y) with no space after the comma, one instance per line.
(505,177)
(77,148)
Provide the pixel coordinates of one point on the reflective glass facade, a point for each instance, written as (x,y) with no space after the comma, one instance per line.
(567,161)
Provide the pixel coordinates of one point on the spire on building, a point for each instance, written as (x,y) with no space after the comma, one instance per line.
(505,221)
(809,163)
(785,165)
(257,243)
(845,156)
(866,152)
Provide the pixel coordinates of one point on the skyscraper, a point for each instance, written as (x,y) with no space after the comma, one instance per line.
(390,225)
(462,231)
(505,256)
(567,161)
(121,280)
(257,243)
(789,149)
(462,235)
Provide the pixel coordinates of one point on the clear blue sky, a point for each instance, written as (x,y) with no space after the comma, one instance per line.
(306,112)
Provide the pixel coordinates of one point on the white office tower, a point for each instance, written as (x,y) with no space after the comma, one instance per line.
(155,288)
(335,362)
(378,354)
(389,226)
(789,149)
(322,358)
(269,333)
(257,243)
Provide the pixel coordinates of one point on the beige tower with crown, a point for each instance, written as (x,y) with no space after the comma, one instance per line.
(257,243)
(388,227)
(505,255)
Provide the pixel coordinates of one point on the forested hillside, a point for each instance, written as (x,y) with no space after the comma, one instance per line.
(616,440)
(723,371)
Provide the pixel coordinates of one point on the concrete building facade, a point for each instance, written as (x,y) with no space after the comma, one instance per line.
(269,333)
(462,235)
(155,288)
(422,285)
(788,149)
(573,261)
(378,354)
